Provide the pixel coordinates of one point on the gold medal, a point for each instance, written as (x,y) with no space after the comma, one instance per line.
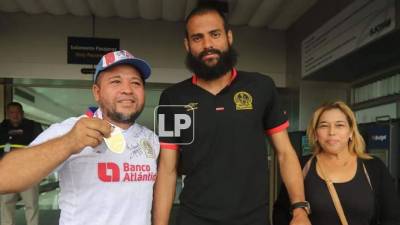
(116,142)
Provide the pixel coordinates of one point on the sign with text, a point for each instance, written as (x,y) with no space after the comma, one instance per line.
(378,137)
(362,22)
(86,50)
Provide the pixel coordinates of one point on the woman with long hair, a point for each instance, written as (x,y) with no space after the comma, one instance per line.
(343,184)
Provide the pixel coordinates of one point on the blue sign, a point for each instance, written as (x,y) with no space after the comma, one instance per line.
(378,137)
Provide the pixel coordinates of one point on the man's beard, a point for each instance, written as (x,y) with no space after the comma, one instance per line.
(120,117)
(227,60)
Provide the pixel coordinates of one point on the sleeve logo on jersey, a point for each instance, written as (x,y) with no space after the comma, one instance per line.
(191,106)
(243,100)
(146,148)
(111,172)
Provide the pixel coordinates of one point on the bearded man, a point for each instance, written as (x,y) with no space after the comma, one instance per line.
(224,160)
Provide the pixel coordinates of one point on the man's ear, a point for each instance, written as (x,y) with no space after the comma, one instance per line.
(96,92)
(230,37)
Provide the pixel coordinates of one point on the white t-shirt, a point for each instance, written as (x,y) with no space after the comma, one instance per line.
(99,187)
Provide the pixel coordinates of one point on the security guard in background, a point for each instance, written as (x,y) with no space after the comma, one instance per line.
(16,132)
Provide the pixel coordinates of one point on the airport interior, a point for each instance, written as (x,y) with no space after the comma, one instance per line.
(314,50)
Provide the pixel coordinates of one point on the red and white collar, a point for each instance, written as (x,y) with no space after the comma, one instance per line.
(233,76)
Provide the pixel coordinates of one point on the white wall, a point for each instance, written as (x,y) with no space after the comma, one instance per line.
(313,94)
(36,46)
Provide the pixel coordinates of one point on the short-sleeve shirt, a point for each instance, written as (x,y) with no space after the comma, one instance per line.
(99,187)
(226,164)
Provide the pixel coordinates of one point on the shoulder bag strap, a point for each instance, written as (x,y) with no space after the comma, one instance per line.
(334,196)
(367,175)
(306,168)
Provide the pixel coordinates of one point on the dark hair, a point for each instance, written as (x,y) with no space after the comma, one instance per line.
(206,7)
(15,104)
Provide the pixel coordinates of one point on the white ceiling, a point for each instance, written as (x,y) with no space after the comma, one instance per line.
(273,14)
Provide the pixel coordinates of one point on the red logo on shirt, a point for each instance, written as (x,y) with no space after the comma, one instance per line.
(112,168)
(110,172)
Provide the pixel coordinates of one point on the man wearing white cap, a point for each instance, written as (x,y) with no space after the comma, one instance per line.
(106,161)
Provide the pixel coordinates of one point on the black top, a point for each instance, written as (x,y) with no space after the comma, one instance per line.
(23,134)
(356,197)
(226,165)
(386,199)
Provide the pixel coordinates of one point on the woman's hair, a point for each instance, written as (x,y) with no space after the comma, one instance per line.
(356,143)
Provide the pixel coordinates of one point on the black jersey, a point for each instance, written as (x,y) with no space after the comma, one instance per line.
(226,163)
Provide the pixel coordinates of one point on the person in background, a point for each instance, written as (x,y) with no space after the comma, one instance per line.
(365,190)
(17,132)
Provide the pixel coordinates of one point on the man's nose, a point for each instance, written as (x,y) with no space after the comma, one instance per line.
(127,87)
(207,43)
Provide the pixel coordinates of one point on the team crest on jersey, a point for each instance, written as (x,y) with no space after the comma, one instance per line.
(191,106)
(147,148)
(243,100)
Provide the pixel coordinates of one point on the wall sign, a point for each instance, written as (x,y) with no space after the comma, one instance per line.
(360,23)
(84,50)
